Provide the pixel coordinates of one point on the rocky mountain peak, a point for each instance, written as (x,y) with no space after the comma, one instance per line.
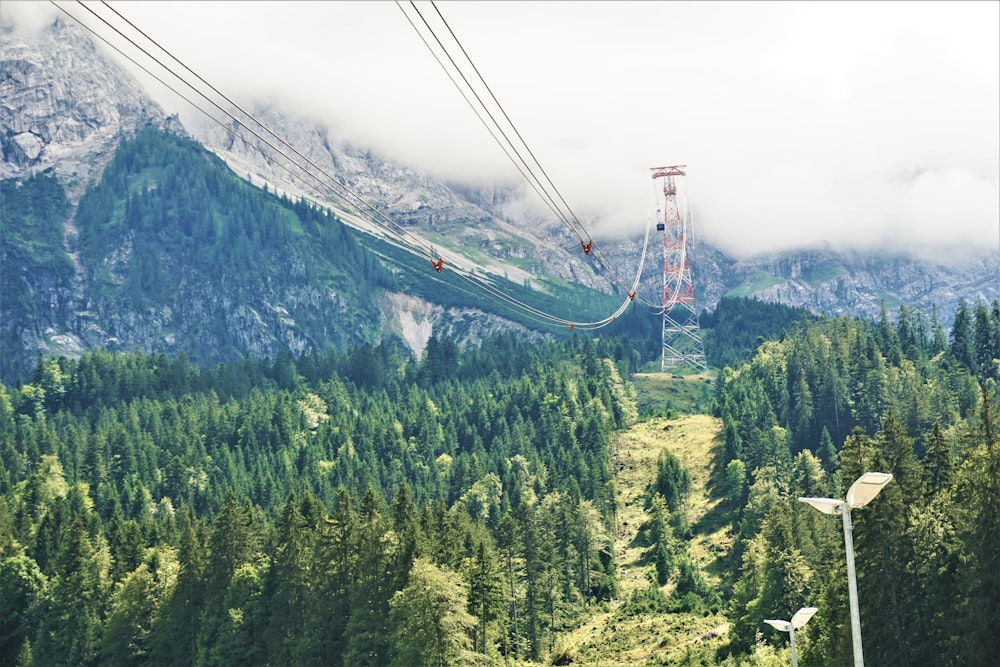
(63,103)
(464,221)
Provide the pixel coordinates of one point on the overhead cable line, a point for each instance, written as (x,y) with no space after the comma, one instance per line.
(533,181)
(568,217)
(366,209)
(572,216)
(339,187)
(588,247)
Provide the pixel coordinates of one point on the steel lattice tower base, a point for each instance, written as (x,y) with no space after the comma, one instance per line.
(682,345)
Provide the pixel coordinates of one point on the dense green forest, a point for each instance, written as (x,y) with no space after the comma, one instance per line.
(367,507)
(171,251)
(307,510)
(813,411)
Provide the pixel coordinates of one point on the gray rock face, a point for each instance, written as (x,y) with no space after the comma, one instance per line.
(402,200)
(849,282)
(63,104)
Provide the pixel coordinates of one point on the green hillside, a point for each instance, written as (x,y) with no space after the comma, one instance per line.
(513,503)
(637,629)
(170,251)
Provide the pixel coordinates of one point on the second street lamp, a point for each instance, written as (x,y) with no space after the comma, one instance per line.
(800,618)
(862,492)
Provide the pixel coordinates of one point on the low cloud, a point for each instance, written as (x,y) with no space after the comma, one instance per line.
(857,124)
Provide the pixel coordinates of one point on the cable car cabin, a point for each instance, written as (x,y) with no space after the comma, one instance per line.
(660,226)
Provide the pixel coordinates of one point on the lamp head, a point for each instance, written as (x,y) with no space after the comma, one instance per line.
(825,505)
(864,490)
(802,616)
(782,626)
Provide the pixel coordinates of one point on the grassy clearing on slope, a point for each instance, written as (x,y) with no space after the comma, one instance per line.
(665,395)
(612,637)
(695,441)
(612,634)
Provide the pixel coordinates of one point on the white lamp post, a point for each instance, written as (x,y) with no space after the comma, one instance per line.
(864,489)
(800,618)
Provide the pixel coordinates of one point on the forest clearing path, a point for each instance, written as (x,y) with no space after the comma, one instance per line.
(694,440)
(635,640)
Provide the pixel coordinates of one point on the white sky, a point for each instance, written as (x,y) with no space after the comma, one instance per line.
(854,123)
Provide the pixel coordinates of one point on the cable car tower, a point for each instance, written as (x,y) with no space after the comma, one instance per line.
(681,333)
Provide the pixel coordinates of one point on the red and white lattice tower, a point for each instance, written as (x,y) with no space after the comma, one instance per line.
(681,334)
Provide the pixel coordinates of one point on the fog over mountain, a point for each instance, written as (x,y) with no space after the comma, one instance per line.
(66,106)
(859,125)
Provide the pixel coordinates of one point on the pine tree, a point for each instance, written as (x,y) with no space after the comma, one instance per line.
(827,452)
(509,545)
(375,580)
(133,606)
(979,489)
(673,481)
(486,598)
(22,590)
(173,638)
(70,632)
(962,346)
(429,620)
(239,635)
(935,567)
(887,590)
(330,586)
(984,343)
(939,466)
(939,340)
(26,657)
(286,586)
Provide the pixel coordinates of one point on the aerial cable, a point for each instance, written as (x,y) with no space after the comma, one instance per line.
(654,213)
(533,181)
(572,325)
(561,215)
(358,202)
(481,119)
(512,126)
(588,245)
(436,260)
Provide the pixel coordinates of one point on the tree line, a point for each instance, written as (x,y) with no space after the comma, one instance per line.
(325,509)
(806,416)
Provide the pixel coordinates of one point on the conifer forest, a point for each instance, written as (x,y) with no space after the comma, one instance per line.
(368,507)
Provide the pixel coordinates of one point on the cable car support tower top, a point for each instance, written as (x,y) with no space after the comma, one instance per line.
(682,345)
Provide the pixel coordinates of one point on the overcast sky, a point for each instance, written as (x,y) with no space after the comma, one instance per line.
(860,123)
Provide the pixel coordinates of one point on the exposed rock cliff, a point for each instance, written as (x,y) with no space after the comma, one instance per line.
(63,104)
(65,107)
(849,282)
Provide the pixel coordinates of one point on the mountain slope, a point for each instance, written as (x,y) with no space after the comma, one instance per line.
(66,109)
(175,253)
(65,105)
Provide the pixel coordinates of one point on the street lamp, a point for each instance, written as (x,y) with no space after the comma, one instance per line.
(862,492)
(800,618)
